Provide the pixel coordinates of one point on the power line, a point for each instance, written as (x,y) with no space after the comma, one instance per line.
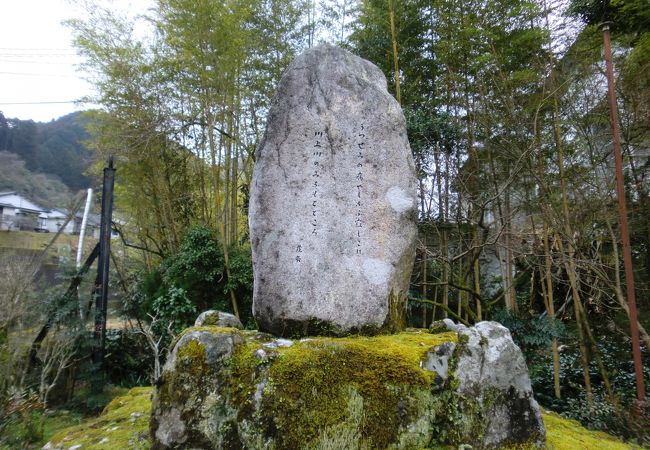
(37,55)
(15,61)
(38,103)
(34,48)
(24,74)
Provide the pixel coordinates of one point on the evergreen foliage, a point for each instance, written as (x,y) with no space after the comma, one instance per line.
(44,190)
(194,280)
(56,149)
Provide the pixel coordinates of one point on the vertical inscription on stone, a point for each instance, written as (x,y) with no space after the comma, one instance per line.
(317,154)
(358,204)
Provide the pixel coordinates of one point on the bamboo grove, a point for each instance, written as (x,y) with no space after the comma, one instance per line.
(508,123)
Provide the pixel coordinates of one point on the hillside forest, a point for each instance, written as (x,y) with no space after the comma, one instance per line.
(508,122)
(44,162)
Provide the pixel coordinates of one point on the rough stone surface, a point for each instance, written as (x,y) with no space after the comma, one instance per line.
(225,389)
(218,318)
(438,361)
(177,407)
(492,369)
(333,201)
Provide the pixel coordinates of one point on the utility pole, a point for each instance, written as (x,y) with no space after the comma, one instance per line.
(622,213)
(101,282)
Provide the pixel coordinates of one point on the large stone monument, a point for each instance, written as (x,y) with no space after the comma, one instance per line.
(333,201)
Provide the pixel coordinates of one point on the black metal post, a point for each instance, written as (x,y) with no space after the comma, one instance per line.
(101,291)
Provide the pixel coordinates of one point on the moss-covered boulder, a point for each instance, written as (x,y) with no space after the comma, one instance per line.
(217,319)
(225,388)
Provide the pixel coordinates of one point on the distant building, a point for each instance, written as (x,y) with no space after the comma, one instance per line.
(52,220)
(56,217)
(19,213)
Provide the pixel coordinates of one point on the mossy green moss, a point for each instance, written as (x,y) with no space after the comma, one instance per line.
(311,383)
(124,424)
(245,372)
(207,329)
(191,367)
(124,413)
(211,319)
(192,358)
(565,434)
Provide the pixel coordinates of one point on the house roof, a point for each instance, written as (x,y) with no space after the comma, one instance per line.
(13,200)
(56,214)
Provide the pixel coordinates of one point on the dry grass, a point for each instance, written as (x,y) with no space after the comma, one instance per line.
(30,240)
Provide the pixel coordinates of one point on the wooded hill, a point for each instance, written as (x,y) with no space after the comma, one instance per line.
(45,161)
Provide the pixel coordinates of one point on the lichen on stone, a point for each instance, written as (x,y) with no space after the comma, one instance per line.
(309,386)
(240,389)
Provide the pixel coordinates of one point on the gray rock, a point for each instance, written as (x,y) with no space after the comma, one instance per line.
(279,343)
(223,390)
(217,347)
(184,388)
(491,370)
(333,201)
(218,319)
(437,360)
(171,429)
(452,326)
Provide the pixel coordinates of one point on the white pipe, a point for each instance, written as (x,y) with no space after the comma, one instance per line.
(82,232)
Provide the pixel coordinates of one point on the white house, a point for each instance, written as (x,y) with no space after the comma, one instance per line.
(18,213)
(54,219)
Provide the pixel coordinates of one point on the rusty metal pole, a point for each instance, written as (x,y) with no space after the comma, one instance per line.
(622,214)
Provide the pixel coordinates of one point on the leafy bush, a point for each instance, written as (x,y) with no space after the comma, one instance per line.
(193,280)
(241,282)
(128,358)
(174,308)
(168,299)
(196,269)
(627,421)
(23,422)
(530,333)
(618,416)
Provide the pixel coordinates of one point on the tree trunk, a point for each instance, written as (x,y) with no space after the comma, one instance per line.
(568,257)
(393,35)
(547,283)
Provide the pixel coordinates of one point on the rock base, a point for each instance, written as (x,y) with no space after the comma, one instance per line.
(224,388)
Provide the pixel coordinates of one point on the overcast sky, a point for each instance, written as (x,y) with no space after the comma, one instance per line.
(38,78)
